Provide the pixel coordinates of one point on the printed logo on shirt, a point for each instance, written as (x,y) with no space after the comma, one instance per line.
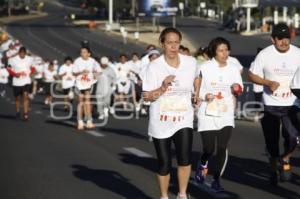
(283,71)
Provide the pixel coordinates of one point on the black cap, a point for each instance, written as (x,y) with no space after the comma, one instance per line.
(281,31)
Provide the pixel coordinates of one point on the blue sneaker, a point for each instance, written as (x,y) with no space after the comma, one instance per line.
(285,171)
(216,186)
(201,173)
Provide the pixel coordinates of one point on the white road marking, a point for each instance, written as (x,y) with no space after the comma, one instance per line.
(95,133)
(138,152)
(38,112)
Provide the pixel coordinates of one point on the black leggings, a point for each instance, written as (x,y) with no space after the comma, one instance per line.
(183,141)
(209,139)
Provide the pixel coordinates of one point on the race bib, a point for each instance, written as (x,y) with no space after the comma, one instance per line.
(283,91)
(174,105)
(217,108)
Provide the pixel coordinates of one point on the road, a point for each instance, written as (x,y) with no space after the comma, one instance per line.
(47,158)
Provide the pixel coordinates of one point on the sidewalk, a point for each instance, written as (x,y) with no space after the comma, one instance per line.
(147,34)
(32,15)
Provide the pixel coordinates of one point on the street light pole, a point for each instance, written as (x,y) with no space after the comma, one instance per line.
(110,10)
(9,7)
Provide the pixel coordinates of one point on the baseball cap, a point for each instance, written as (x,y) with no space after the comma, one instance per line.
(281,31)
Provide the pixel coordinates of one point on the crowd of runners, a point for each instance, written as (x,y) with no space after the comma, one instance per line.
(173,88)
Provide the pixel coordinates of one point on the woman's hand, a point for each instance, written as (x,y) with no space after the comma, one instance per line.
(167,82)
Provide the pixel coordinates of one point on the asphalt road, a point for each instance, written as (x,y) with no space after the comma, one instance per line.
(47,158)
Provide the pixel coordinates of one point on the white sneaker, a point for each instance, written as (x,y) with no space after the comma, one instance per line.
(143,111)
(137,108)
(3,93)
(31,96)
(46,101)
(112,110)
(106,110)
(101,117)
(90,124)
(80,125)
(183,197)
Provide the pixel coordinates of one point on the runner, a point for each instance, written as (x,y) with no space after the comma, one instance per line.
(295,86)
(21,67)
(277,65)
(3,79)
(38,83)
(105,83)
(202,55)
(50,75)
(85,69)
(168,84)
(221,82)
(135,65)
(68,82)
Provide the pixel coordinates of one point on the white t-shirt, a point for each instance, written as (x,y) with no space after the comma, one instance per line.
(135,66)
(5,46)
(85,81)
(3,76)
(11,53)
(218,81)
(236,62)
(145,60)
(173,110)
(280,67)
(123,70)
(296,85)
(296,80)
(68,80)
(21,65)
(39,70)
(49,75)
(256,87)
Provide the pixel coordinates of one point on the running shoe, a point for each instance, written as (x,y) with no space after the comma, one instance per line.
(90,124)
(216,186)
(101,116)
(25,117)
(112,110)
(183,197)
(80,125)
(285,171)
(201,173)
(106,110)
(3,93)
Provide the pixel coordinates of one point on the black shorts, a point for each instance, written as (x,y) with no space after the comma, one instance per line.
(66,91)
(47,87)
(85,90)
(20,90)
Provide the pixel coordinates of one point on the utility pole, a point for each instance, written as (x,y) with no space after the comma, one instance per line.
(133,7)
(110,11)
(9,7)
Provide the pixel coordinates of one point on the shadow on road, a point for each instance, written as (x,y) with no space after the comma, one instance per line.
(254,173)
(109,180)
(123,132)
(7,116)
(151,164)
